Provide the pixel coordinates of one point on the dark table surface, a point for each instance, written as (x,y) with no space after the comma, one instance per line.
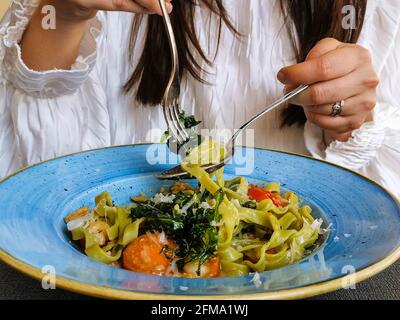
(385,285)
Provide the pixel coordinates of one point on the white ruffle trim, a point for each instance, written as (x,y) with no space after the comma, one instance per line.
(362,148)
(355,153)
(365,144)
(48,84)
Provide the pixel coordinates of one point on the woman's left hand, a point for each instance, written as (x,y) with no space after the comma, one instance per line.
(336,71)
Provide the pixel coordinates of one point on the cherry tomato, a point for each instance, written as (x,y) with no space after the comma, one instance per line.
(258,194)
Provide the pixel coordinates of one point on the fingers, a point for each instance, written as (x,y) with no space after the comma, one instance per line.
(154,5)
(360,104)
(339,125)
(329,92)
(355,112)
(142,6)
(326,67)
(335,72)
(118,5)
(322,47)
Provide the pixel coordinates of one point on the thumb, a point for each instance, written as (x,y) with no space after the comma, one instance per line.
(323,47)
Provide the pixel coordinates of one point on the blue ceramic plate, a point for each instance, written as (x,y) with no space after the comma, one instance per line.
(364,238)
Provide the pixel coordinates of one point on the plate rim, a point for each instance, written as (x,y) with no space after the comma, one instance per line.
(287,294)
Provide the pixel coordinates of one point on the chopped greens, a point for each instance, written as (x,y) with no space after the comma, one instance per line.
(189,122)
(193,230)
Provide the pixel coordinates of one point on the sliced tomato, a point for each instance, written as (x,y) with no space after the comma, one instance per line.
(258,194)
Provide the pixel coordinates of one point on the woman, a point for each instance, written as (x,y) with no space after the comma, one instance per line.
(93,81)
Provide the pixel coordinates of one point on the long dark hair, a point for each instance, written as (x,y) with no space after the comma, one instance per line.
(313,20)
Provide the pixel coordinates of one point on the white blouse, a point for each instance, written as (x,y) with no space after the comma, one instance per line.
(48,114)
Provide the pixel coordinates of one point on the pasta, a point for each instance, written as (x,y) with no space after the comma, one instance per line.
(217,228)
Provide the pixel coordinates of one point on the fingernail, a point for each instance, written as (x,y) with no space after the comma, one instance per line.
(282,77)
(169,7)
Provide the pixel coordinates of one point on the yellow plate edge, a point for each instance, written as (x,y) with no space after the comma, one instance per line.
(296,293)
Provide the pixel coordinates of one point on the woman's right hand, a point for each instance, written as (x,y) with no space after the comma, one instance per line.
(79,10)
(71,17)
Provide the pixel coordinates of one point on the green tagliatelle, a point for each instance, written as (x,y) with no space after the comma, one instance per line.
(275,237)
(219,218)
(120,230)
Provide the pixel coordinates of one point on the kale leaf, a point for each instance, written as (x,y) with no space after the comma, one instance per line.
(189,122)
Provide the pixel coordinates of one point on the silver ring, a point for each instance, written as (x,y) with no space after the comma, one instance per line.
(337,108)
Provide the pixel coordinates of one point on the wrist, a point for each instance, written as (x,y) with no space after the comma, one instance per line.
(329,136)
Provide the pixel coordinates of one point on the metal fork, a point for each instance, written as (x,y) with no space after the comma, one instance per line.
(170,100)
(178,173)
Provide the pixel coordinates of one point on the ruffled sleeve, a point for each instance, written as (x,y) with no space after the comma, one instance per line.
(374,149)
(51,113)
(48,84)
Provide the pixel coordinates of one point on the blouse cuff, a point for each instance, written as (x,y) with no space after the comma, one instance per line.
(46,84)
(355,154)
(362,148)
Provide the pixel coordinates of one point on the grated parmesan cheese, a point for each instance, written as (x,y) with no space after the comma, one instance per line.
(256,280)
(216,224)
(205,205)
(160,198)
(162,238)
(317,225)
